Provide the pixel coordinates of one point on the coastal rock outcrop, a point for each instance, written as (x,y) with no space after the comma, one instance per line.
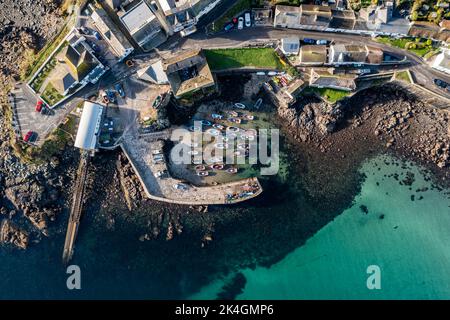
(312,118)
(11,234)
(398,119)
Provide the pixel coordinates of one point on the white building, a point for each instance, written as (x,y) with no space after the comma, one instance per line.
(111,34)
(89,127)
(290,46)
(442,61)
(153,73)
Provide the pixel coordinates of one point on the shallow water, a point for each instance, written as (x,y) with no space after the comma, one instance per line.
(409,240)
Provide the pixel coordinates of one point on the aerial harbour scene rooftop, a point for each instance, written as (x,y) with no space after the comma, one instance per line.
(225,149)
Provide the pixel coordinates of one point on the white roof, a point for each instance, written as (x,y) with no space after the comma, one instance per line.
(290,45)
(89,126)
(153,73)
(138,17)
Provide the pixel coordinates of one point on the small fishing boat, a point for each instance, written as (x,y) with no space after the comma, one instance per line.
(215,160)
(239,105)
(258,103)
(232,170)
(221,145)
(234,120)
(233,129)
(233,114)
(195,129)
(206,122)
(216,116)
(202,173)
(218,166)
(200,167)
(213,132)
(249,117)
(218,126)
(243,137)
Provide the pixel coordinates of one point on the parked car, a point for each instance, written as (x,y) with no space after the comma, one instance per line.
(364,71)
(228,26)
(309,41)
(38,106)
(240,23)
(84,30)
(154,5)
(111,96)
(248,19)
(97,35)
(119,89)
(188,31)
(180,186)
(105,97)
(441,83)
(28,136)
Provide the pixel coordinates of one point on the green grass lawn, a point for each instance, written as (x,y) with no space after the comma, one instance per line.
(220,59)
(402,44)
(331,95)
(51,95)
(240,6)
(402,75)
(43,54)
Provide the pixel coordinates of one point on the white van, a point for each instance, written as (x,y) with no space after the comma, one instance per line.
(248,19)
(240,23)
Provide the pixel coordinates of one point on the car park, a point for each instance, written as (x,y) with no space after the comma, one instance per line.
(248,19)
(240,23)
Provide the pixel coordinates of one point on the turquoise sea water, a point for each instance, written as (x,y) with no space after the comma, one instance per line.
(408,239)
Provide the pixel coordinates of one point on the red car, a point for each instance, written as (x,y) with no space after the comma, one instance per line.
(28,136)
(39,106)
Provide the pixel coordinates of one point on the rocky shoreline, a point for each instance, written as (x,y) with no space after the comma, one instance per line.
(382,119)
(25,27)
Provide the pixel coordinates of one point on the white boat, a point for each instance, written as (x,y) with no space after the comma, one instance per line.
(258,103)
(239,105)
(232,129)
(213,132)
(260,73)
(221,145)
